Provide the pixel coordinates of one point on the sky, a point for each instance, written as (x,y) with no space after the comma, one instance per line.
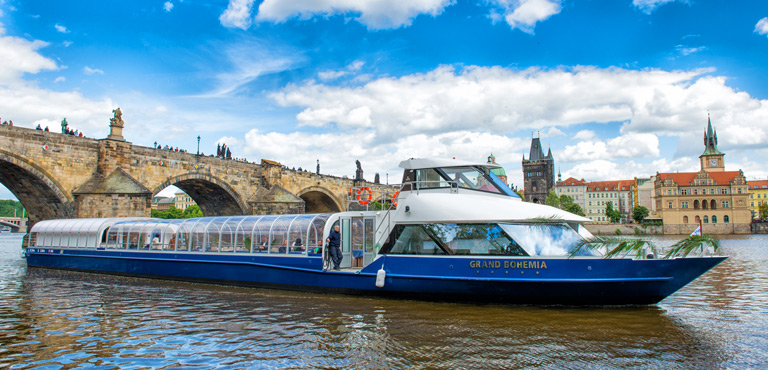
(616,88)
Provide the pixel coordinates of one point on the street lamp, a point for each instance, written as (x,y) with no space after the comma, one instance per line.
(198,145)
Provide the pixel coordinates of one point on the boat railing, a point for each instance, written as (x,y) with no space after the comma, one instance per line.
(430,184)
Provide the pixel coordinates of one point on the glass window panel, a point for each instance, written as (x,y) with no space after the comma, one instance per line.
(475,239)
(414,240)
(545,239)
(369,235)
(357,237)
(261,233)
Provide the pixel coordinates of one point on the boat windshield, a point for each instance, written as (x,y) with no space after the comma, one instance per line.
(468,177)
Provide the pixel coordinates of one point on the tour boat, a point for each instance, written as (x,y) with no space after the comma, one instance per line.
(454,231)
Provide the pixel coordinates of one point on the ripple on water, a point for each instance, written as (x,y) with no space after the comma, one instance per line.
(60,319)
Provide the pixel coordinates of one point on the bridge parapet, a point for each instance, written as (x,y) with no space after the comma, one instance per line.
(63,176)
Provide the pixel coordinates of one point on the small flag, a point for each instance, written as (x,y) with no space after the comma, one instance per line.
(697,231)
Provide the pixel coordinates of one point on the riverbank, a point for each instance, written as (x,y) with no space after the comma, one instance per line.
(672,230)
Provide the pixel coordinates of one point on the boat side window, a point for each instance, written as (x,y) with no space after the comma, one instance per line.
(430,178)
(546,239)
(412,239)
(475,239)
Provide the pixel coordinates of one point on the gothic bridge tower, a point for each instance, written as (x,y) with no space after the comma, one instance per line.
(538,173)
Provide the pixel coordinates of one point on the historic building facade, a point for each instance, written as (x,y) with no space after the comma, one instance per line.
(538,173)
(576,189)
(715,198)
(758,195)
(618,192)
(499,172)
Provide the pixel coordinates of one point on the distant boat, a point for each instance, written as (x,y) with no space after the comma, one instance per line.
(454,232)
(5,229)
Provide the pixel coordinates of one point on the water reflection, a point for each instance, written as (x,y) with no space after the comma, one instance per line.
(66,319)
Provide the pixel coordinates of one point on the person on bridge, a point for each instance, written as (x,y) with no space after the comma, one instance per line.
(334,247)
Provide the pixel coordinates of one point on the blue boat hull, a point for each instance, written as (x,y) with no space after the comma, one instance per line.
(484,279)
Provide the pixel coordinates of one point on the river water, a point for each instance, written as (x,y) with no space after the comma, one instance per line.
(60,320)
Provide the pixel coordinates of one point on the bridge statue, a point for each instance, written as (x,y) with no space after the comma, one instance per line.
(116,125)
(117,120)
(64,126)
(358,172)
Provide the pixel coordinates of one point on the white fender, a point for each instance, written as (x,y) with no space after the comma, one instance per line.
(380,276)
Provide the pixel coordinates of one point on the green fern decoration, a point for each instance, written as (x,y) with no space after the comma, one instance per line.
(615,246)
(686,246)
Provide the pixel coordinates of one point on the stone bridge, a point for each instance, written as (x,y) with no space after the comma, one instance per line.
(63,176)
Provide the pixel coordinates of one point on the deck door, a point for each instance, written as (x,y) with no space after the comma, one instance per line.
(357,241)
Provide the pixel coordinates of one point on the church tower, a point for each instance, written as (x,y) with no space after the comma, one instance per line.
(538,173)
(712,159)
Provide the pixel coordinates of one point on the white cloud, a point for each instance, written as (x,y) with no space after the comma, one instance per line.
(337,151)
(67,43)
(632,145)
(92,71)
(28,105)
(61,28)
(374,14)
(20,56)
(60,79)
(237,14)
(688,50)
(168,6)
(332,75)
(648,6)
(247,61)
(584,135)
(762,26)
(524,14)
(505,100)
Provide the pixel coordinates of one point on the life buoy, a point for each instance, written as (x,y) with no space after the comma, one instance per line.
(394,198)
(364,195)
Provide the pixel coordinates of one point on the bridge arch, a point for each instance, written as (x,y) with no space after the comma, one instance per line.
(215,197)
(318,199)
(40,195)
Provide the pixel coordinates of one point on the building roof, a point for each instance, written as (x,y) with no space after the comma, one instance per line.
(710,139)
(613,185)
(686,178)
(537,154)
(757,184)
(571,182)
(422,163)
(496,171)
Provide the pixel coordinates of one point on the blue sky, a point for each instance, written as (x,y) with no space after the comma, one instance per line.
(617,89)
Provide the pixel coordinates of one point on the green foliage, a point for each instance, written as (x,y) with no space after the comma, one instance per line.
(615,246)
(687,245)
(7,207)
(763,211)
(618,232)
(640,213)
(613,214)
(175,213)
(563,202)
(192,211)
(519,194)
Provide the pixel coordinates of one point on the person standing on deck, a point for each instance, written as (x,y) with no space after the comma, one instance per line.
(334,247)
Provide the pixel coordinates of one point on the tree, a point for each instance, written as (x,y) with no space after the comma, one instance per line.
(9,208)
(640,213)
(613,214)
(192,211)
(763,211)
(174,213)
(563,202)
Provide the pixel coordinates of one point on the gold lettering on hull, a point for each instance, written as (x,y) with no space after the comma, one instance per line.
(508,264)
